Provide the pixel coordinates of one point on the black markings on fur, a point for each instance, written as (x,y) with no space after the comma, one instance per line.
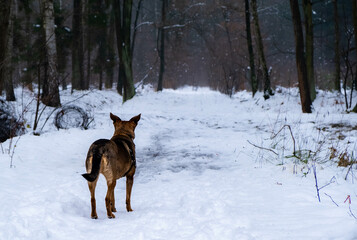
(96,160)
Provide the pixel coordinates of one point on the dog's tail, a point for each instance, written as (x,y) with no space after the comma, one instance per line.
(96,160)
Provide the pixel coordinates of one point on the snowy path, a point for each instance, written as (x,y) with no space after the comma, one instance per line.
(197,176)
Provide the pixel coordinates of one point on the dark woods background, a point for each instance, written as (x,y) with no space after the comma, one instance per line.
(228,45)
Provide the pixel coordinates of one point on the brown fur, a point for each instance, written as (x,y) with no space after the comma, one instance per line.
(114,158)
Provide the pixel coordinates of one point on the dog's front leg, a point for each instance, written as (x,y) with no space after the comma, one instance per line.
(129,185)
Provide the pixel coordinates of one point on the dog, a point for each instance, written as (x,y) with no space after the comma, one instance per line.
(114,158)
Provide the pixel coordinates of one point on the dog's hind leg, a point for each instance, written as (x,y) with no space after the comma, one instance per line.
(112,201)
(108,198)
(129,185)
(92,186)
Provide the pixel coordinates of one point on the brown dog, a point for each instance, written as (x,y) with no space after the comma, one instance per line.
(114,158)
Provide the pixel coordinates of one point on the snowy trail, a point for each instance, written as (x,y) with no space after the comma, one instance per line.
(197,176)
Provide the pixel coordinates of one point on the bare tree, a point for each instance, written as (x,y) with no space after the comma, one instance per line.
(337,77)
(50,96)
(253,78)
(5,6)
(300,59)
(309,53)
(354,7)
(9,87)
(267,88)
(161,44)
(77,46)
(123,32)
(119,36)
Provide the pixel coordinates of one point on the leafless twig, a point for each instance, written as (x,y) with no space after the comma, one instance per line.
(267,149)
(13,152)
(348,171)
(332,180)
(291,133)
(316,185)
(349,207)
(332,199)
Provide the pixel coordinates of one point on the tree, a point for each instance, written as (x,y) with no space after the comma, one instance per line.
(129,90)
(354,7)
(5,6)
(9,87)
(253,79)
(123,33)
(50,95)
(63,42)
(300,59)
(337,77)
(119,36)
(309,40)
(77,47)
(98,20)
(28,56)
(110,62)
(161,44)
(267,88)
(88,40)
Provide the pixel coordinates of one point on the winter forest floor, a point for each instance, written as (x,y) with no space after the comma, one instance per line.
(208,167)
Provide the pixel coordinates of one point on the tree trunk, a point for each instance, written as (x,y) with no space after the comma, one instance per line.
(135,25)
(102,55)
(300,59)
(101,79)
(309,40)
(118,32)
(60,45)
(123,32)
(161,40)
(354,7)
(52,98)
(129,90)
(5,6)
(267,88)
(29,64)
(337,77)
(89,42)
(9,87)
(109,66)
(253,78)
(77,46)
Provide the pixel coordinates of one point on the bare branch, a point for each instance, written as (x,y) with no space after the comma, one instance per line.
(332,199)
(267,149)
(291,133)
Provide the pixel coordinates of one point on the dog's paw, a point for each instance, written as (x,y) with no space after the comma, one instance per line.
(129,209)
(114,210)
(111,216)
(94,217)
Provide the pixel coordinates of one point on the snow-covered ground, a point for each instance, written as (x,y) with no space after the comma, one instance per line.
(197,175)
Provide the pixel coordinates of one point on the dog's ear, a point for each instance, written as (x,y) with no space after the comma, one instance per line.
(114,118)
(136,119)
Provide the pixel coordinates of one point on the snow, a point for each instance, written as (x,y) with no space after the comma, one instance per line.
(197,176)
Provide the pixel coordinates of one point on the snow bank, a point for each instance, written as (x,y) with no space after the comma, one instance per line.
(197,175)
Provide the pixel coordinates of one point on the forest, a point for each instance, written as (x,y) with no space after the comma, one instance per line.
(246,127)
(227,45)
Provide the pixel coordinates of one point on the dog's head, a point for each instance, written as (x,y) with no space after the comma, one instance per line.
(125,127)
